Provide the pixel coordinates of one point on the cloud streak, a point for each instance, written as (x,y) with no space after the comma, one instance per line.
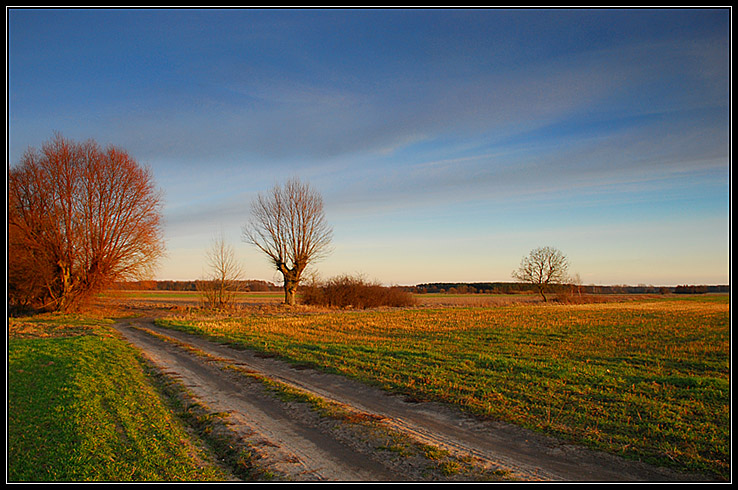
(387,112)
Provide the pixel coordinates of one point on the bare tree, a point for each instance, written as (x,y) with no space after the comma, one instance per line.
(543,267)
(288,225)
(219,289)
(79,218)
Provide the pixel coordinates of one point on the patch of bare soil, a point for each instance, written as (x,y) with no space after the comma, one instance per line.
(296,443)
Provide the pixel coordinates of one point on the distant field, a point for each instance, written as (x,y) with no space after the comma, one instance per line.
(256,297)
(646,379)
(187,298)
(184,295)
(424,299)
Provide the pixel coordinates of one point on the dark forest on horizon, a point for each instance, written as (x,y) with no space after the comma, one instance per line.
(446,287)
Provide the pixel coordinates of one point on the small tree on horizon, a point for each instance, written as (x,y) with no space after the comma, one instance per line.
(543,267)
(219,288)
(288,225)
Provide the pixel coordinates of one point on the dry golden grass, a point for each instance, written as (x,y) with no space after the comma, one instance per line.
(647,379)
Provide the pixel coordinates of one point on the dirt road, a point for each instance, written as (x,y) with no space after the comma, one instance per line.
(297,444)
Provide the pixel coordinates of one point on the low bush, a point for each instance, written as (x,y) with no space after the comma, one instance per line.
(347,291)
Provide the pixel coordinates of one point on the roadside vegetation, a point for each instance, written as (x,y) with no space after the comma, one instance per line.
(346,291)
(645,379)
(82,407)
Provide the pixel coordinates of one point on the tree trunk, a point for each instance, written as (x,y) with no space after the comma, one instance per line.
(291,281)
(290,291)
(64,301)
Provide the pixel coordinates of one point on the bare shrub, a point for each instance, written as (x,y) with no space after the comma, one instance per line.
(221,287)
(346,291)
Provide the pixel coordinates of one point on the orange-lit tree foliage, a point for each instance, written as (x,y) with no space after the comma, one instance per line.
(79,218)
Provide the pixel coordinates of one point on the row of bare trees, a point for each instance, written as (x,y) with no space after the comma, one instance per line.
(288,225)
(81,217)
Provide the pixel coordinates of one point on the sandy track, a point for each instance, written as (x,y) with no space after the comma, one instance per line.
(303,451)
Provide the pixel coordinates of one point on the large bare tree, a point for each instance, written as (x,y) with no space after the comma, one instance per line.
(288,224)
(542,268)
(79,218)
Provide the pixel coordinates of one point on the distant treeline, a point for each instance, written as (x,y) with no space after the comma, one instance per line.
(450,288)
(520,288)
(248,285)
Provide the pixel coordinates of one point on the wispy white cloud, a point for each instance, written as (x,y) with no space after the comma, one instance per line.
(278,118)
(387,112)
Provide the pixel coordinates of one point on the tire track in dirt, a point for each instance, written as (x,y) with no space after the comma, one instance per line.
(523,454)
(293,450)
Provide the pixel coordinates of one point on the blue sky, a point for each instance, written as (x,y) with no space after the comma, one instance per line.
(446,143)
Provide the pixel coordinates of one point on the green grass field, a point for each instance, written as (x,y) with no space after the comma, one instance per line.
(81,407)
(644,379)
